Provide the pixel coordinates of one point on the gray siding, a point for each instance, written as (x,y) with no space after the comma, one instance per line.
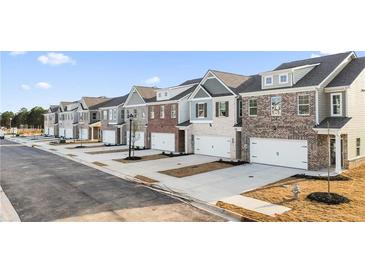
(276,83)
(135,99)
(201,94)
(324,104)
(300,73)
(193,105)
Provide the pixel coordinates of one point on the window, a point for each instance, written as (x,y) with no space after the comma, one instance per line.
(143,115)
(162,112)
(135,113)
(268,80)
(173,111)
(303,105)
(336,106)
(105,115)
(252,107)
(110,114)
(201,110)
(283,78)
(152,112)
(240,110)
(122,115)
(165,93)
(221,109)
(358,146)
(159,94)
(94,115)
(127,113)
(276,106)
(114,114)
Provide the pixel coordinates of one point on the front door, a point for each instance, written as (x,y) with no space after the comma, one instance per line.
(181,140)
(333,152)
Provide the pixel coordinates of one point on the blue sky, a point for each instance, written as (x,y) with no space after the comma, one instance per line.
(43,78)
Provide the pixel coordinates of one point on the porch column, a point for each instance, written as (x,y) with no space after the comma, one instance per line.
(338,168)
(186,140)
(92,133)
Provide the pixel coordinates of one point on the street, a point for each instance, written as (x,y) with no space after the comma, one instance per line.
(45,187)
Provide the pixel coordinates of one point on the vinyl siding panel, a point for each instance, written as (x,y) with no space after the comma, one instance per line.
(193,106)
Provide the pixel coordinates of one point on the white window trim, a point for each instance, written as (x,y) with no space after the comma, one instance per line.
(287,78)
(173,111)
(219,108)
(281,105)
(162,113)
(357,147)
(303,104)
(197,105)
(152,112)
(332,95)
(249,107)
(240,108)
(272,80)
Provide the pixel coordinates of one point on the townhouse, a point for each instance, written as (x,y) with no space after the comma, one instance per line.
(113,128)
(289,112)
(68,120)
(88,115)
(167,111)
(136,108)
(215,115)
(51,121)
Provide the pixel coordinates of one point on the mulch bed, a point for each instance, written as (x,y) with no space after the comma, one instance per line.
(98,163)
(146,179)
(323,178)
(78,147)
(106,151)
(195,169)
(328,198)
(141,159)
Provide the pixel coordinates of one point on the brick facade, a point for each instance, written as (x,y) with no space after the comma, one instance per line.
(289,125)
(164,125)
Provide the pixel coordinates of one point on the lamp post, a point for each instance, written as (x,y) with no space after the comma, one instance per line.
(10,125)
(130,117)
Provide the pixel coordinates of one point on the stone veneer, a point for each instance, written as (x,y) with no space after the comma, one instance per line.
(289,125)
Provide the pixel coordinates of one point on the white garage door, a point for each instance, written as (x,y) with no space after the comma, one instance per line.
(279,152)
(46,130)
(109,137)
(163,141)
(51,131)
(69,133)
(213,146)
(83,133)
(62,132)
(139,139)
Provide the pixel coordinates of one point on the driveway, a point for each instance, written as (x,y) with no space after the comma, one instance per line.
(45,187)
(215,185)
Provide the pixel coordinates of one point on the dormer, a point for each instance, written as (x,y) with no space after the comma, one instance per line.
(285,77)
(163,94)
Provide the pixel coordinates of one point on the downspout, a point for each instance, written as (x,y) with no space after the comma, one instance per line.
(317,105)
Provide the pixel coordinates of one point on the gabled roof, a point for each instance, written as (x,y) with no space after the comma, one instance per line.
(91,101)
(231,80)
(146,92)
(175,98)
(348,75)
(192,81)
(53,108)
(113,102)
(326,65)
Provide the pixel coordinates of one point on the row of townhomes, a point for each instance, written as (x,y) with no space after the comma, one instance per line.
(303,114)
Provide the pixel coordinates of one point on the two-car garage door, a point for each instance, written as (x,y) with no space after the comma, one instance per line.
(109,137)
(279,152)
(213,146)
(163,141)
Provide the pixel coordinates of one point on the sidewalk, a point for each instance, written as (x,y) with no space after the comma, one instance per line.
(7,211)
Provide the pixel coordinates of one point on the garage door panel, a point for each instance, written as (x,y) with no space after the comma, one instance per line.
(62,132)
(139,139)
(280,152)
(163,141)
(84,133)
(213,146)
(69,133)
(109,137)
(51,131)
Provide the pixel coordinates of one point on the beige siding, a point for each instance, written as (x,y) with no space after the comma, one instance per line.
(300,73)
(356,110)
(325,104)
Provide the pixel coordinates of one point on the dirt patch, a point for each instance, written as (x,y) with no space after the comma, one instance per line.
(73,142)
(305,210)
(143,158)
(146,179)
(106,151)
(195,169)
(81,147)
(99,163)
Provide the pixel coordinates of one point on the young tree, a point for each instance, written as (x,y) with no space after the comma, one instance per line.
(5,118)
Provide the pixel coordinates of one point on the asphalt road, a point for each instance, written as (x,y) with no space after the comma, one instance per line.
(45,187)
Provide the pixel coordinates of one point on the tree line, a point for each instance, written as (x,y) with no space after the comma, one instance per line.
(24,118)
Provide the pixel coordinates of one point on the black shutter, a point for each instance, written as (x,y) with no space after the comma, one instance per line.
(196,110)
(205,110)
(216,109)
(227,109)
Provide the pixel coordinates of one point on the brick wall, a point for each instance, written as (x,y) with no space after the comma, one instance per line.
(287,126)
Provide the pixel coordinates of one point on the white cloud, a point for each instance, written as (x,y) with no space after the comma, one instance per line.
(55,59)
(43,85)
(25,87)
(15,53)
(153,80)
(324,52)
(314,55)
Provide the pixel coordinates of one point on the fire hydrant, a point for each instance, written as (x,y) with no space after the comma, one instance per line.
(296,191)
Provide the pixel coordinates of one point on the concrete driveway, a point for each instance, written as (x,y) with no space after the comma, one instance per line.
(215,185)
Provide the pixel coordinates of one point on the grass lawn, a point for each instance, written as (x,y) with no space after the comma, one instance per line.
(99,163)
(146,179)
(305,210)
(195,169)
(143,158)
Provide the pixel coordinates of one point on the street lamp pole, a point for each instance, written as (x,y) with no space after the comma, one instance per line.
(130,116)
(10,125)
